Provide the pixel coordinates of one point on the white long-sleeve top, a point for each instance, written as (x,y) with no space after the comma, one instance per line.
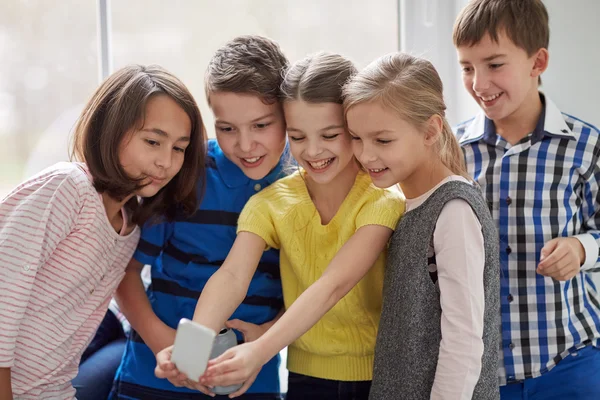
(460,259)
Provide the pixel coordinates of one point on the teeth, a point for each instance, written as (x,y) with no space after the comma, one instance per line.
(377,170)
(251,160)
(320,164)
(490,98)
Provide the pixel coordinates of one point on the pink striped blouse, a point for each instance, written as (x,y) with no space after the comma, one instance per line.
(60,262)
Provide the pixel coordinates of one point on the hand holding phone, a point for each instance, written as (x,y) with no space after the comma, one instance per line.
(192,349)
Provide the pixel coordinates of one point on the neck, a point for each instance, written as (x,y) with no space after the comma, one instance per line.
(113,208)
(336,191)
(424,179)
(522,122)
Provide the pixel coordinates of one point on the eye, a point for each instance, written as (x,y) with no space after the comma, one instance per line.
(466,70)
(225,128)
(152,142)
(355,137)
(179,149)
(495,66)
(330,137)
(296,139)
(262,125)
(383,141)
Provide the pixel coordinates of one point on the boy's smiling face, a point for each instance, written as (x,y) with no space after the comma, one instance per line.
(501,77)
(250,132)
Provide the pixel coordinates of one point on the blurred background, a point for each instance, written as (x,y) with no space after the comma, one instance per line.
(54,54)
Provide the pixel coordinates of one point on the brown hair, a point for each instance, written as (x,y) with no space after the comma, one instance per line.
(410,87)
(247,64)
(318,78)
(115,108)
(524,21)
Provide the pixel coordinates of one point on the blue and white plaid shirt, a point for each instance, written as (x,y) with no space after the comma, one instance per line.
(543,187)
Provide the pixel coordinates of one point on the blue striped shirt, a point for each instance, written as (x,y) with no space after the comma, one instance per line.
(543,187)
(184,254)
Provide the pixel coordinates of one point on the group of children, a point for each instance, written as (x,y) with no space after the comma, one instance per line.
(336,213)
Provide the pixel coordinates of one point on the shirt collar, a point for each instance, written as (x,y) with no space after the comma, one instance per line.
(233,176)
(551,123)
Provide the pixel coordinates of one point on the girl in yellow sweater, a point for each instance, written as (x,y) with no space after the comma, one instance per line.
(332,226)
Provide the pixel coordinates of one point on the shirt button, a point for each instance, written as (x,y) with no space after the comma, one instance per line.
(510,298)
(508,201)
(92,291)
(257,187)
(511,346)
(508,250)
(116,241)
(26,268)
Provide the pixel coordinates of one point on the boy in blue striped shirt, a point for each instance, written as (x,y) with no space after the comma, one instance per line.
(242,87)
(538,169)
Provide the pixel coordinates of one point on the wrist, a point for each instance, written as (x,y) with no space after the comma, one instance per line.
(580,251)
(263,350)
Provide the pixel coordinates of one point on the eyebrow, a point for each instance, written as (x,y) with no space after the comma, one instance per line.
(327,128)
(269,115)
(333,127)
(371,134)
(487,59)
(162,133)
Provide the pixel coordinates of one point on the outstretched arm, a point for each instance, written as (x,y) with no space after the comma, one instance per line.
(221,295)
(348,267)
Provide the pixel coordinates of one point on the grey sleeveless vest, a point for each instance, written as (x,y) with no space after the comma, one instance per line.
(408,341)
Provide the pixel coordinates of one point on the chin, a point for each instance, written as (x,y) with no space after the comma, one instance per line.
(148,191)
(255,174)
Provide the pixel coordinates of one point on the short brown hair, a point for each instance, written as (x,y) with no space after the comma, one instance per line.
(118,106)
(247,64)
(524,21)
(318,78)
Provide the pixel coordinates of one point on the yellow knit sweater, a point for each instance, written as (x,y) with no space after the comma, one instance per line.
(341,345)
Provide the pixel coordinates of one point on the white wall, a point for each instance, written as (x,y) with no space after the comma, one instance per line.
(573,77)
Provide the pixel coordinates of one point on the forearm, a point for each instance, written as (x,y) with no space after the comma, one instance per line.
(134,304)
(5,384)
(345,270)
(269,324)
(303,314)
(227,288)
(221,296)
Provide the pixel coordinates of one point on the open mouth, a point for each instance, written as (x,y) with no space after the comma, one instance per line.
(376,172)
(489,100)
(252,161)
(321,164)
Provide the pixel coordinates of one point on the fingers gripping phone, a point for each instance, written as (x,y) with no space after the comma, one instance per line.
(192,348)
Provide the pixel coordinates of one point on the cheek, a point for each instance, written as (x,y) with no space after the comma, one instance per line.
(226,142)
(296,149)
(467,82)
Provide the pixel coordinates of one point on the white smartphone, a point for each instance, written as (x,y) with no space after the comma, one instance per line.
(192,348)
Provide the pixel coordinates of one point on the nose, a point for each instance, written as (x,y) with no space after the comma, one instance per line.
(246,142)
(313,149)
(481,82)
(164,158)
(363,153)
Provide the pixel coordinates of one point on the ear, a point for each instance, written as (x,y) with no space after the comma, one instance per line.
(540,62)
(433,131)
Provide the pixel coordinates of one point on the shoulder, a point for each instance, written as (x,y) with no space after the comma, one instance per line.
(286,189)
(368,193)
(460,129)
(581,129)
(63,179)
